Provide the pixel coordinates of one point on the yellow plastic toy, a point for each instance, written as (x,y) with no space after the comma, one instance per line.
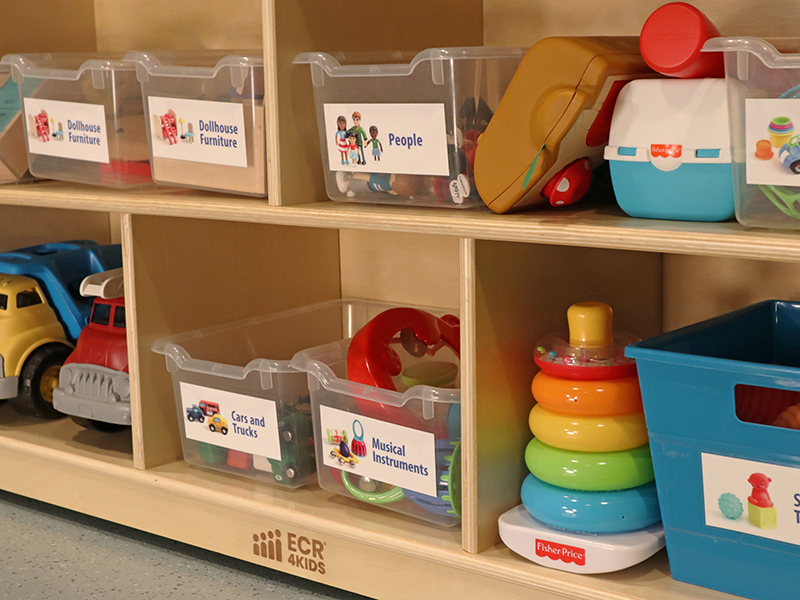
(588,434)
(555,113)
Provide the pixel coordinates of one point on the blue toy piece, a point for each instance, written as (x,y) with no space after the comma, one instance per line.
(448,482)
(730,506)
(591,512)
(789,154)
(59,268)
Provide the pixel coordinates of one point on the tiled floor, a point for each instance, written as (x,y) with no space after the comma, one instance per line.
(48,552)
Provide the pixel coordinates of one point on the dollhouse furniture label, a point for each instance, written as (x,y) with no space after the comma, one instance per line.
(197,131)
(752,497)
(67,129)
(381,451)
(234,421)
(409,139)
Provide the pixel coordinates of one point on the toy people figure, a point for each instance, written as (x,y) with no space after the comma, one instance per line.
(377,147)
(341,139)
(361,136)
(353,147)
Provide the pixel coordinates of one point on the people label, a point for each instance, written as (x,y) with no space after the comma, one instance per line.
(66,129)
(408,139)
(198,131)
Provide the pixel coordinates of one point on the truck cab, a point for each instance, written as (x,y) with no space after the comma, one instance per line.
(93,383)
(42,317)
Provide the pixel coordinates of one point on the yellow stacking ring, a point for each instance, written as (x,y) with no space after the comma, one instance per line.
(597,398)
(588,434)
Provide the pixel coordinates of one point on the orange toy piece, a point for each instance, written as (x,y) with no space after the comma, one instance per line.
(556,110)
(603,398)
(789,418)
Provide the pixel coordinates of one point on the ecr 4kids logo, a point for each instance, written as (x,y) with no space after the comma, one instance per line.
(299,551)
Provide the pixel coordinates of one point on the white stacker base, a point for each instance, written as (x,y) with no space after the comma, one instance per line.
(577,552)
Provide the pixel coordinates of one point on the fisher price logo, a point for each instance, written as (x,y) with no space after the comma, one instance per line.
(666,150)
(562,552)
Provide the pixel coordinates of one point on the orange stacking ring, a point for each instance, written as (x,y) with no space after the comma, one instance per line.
(588,434)
(599,398)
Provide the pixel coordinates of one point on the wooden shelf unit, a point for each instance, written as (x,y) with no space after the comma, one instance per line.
(195,259)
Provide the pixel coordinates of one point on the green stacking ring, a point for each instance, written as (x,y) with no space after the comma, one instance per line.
(590,471)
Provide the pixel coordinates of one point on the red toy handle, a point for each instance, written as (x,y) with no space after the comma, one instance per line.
(672,38)
(371,360)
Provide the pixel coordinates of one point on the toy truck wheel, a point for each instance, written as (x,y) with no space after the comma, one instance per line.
(189,418)
(37,381)
(224,431)
(201,418)
(795,167)
(212,428)
(290,471)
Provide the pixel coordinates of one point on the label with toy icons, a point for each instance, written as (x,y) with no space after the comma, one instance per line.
(235,421)
(408,139)
(752,497)
(772,141)
(382,451)
(198,131)
(67,129)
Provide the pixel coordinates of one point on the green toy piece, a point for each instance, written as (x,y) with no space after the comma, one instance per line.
(730,506)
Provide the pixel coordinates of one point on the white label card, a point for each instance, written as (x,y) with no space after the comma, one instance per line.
(772,141)
(731,485)
(382,451)
(198,131)
(235,421)
(406,139)
(66,129)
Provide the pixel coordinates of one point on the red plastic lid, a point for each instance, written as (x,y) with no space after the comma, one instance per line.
(672,38)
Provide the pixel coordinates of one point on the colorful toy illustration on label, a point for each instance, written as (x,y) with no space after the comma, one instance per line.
(358,447)
(344,455)
(377,147)
(342,143)
(168,124)
(589,503)
(42,126)
(360,137)
(761,512)
(217,423)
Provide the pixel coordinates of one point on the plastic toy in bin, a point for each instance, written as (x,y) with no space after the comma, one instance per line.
(589,503)
(386,399)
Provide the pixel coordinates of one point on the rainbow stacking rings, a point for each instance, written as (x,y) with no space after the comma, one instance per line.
(591,512)
(780,131)
(600,398)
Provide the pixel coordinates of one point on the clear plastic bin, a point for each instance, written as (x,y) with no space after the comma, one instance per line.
(244,366)
(415,125)
(205,119)
(763,84)
(83,118)
(399,449)
(13,158)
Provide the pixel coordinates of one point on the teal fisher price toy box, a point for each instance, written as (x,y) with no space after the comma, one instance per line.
(722,403)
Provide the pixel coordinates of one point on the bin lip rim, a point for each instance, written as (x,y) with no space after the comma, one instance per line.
(765,50)
(222,59)
(333,68)
(28,65)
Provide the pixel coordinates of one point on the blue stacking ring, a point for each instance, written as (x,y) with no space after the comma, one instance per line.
(591,512)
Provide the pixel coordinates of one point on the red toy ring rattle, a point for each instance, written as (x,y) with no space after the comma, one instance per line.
(371,360)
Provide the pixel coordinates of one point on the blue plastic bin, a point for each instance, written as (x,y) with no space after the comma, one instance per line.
(693,382)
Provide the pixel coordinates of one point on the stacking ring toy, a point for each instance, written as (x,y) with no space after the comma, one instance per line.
(588,434)
(590,471)
(376,496)
(601,398)
(591,512)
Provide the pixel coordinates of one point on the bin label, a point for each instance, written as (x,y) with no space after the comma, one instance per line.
(401,139)
(234,421)
(772,141)
(384,452)
(757,498)
(72,130)
(198,131)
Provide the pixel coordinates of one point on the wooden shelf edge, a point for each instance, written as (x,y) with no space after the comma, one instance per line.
(175,503)
(590,226)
